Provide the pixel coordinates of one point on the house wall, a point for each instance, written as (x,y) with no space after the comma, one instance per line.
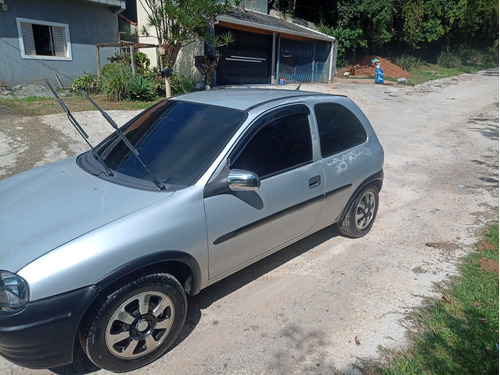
(185,61)
(89,24)
(256,5)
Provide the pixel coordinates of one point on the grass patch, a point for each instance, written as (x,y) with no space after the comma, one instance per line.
(37,106)
(459,333)
(427,72)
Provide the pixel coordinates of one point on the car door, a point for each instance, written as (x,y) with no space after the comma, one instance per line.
(345,156)
(244,226)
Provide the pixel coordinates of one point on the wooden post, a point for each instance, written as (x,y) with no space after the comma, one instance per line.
(98,63)
(132,63)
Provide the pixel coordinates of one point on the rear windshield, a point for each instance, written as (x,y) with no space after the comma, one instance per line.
(177,141)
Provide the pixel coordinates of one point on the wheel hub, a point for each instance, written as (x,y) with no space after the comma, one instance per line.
(143,327)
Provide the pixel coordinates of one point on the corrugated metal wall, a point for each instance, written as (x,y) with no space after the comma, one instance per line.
(303,61)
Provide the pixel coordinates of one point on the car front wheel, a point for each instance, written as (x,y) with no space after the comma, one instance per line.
(135,324)
(361,214)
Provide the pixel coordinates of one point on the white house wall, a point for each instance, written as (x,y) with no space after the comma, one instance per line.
(185,61)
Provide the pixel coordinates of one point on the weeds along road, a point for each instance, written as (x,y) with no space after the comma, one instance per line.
(327,303)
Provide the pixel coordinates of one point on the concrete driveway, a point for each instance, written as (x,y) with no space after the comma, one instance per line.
(326,304)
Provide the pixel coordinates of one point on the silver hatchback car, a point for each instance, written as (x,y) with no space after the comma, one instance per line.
(103,248)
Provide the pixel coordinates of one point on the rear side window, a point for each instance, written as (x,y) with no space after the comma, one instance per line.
(282,143)
(339,129)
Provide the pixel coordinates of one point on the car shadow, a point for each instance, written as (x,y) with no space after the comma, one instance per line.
(196,304)
(230,284)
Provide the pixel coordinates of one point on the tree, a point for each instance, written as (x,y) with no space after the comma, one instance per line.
(178,23)
(396,25)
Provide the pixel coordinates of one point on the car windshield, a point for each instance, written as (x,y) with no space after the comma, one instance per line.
(177,141)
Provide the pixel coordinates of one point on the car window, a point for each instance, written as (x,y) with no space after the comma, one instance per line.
(176,140)
(339,129)
(282,142)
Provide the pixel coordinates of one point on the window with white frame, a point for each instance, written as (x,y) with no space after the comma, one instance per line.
(43,40)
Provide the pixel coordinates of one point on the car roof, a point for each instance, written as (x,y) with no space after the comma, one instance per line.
(243,99)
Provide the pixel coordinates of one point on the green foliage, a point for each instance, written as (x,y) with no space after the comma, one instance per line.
(118,84)
(87,82)
(402,26)
(407,62)
(347,39)
(429,21)
(468,57)
(459,332)
(425,72)
(449,60)
(115,81)
(181,84)
(178,23)
(141,61)
(142,89)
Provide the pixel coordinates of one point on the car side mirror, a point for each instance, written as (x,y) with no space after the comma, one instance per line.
(240,180)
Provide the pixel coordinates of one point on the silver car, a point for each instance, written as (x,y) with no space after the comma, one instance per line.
(103,248)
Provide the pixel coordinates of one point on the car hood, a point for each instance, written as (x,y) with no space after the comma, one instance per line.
(49,206)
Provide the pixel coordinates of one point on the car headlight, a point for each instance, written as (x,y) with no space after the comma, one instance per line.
(14,293)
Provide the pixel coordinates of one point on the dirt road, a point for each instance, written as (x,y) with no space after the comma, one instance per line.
(328,302)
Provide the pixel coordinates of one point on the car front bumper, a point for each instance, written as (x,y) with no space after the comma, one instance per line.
(42,335)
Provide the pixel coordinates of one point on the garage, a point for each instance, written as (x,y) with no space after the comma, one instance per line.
(248,60)
(268,48)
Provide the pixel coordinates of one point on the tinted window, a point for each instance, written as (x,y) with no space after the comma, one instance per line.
(279,145)
(177,141)
(339,129)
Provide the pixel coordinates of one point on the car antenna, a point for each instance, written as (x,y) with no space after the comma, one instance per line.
(80,130)
(298,87)
(125,140)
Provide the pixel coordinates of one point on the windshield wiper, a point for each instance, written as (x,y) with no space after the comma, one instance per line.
(125,140)
(80,130)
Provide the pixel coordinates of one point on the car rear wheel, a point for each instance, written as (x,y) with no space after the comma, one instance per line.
(135,324)
(361,213)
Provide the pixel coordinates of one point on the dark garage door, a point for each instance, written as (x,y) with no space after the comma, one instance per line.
(248,60)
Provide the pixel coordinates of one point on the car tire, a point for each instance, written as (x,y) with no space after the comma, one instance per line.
(361,213)
(134,324)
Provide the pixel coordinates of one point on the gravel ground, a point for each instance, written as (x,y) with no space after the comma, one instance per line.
(326,304)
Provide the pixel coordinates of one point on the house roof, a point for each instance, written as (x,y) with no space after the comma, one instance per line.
(270,23)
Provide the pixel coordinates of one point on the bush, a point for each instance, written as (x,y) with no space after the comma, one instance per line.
(181,84)
(468,57)
(449,60)
(115,81)
(142,89)
(141,61)
(87,82)
(407,62)
(473,57)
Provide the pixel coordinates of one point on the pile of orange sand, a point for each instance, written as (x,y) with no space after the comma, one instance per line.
(365,68)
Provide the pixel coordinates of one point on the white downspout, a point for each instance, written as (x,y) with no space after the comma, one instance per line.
(331,65)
